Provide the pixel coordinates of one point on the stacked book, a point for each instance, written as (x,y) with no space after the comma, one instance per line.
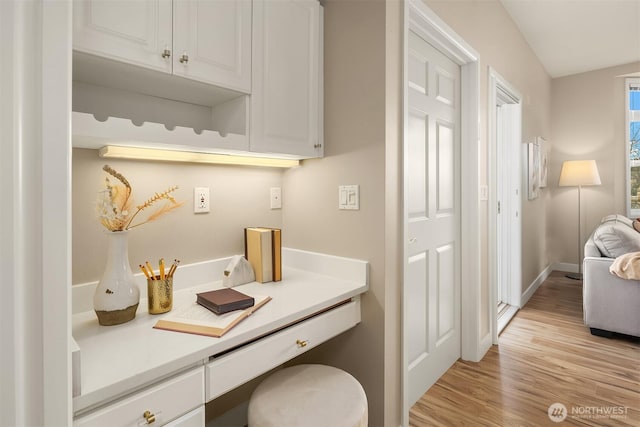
(263,250)
(224,300)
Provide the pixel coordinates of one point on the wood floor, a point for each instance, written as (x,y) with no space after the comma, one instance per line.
(545,356)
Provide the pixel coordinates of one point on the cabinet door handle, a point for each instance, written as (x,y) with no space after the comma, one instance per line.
(184,58)
(166,53)
(301,343)
(151,418)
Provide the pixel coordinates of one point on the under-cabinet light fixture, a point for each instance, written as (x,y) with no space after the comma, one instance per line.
(120,152)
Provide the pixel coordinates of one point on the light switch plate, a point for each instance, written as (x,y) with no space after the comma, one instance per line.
(484,192)
(349,197)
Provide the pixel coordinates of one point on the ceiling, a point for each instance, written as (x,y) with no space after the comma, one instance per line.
(575,36)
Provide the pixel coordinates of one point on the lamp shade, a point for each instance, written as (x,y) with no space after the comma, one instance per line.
(579,172)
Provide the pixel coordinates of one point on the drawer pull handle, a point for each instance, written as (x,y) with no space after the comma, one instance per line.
(301,343)
(184,58)
(166,53)
(151,418)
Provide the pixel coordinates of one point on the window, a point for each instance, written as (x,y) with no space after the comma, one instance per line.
(632,130)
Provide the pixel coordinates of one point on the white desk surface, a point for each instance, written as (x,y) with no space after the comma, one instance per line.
(120,359)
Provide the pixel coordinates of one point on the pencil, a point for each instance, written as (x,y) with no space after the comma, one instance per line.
(161,262)
(173,268)
(144,270)
(150,270)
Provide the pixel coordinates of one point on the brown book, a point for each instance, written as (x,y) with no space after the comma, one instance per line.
(224,300)
(276,256)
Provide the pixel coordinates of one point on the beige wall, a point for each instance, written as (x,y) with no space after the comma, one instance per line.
(354,124)
(588,123)
(239,198)
(489,29)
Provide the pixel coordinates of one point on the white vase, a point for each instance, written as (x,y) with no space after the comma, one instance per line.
(116,298)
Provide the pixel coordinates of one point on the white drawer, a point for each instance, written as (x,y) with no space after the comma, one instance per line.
(233,369)
(166,401)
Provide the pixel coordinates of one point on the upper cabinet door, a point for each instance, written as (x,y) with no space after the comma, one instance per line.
(212,42)
(286,91)
(136,32)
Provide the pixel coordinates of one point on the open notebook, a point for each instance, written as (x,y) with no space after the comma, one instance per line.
(195,319)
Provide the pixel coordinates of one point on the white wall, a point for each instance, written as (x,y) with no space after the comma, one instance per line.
(588,113)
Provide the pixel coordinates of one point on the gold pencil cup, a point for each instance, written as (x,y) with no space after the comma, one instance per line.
(160,295)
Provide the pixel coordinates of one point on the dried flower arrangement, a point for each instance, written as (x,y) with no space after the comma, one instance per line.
(115,204)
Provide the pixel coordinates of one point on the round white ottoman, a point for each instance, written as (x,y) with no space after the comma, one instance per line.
(308,396)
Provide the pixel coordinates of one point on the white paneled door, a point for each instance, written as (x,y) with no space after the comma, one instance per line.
(432,217)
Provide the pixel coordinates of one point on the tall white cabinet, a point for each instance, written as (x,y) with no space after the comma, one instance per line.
(245,74)
(286,101)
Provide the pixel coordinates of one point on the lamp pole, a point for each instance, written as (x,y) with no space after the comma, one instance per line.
(576,173)
(578,276)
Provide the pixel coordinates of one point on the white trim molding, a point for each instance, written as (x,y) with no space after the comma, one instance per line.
(533,287)
(35,230)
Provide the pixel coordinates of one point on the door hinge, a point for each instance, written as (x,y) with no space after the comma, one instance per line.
(498,206)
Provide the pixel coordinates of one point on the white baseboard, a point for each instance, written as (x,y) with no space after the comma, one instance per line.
(565,266)
(533,287)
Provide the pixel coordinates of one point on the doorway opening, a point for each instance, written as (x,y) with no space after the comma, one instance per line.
(505,226)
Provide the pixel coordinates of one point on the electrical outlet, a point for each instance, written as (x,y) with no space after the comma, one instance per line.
(201,200)
(276,197)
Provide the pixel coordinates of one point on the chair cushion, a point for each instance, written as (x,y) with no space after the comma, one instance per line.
(615,238)
(310,396)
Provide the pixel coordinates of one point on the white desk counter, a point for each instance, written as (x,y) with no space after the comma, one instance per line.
(119,360)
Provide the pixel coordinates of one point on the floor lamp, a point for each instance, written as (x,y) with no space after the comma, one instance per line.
(576,173)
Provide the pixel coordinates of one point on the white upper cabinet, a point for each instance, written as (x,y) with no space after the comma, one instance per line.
(212,42)
(208,41)
(136,32)
(228,76)
(286,99)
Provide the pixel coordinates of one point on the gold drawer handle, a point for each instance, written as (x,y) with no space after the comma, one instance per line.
(151,418)
(301,343)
